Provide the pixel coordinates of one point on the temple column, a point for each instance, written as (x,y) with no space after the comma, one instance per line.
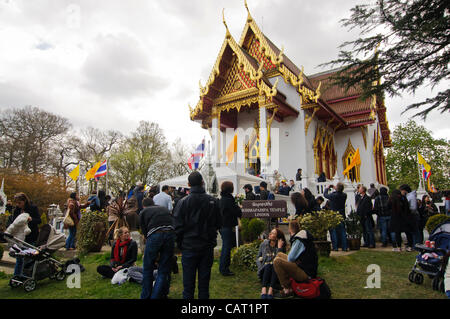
(263,138)
(215,136)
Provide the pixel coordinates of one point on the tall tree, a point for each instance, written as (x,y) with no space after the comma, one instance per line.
(140,157)
(411,40)
(27,138)
(401,159)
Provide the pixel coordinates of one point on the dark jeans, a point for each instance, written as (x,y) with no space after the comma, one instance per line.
(369,237)
(163,244)
(413,238)
(193,262)
(106,271)
(227,245)
(420,237)
(384,222)
(18,268)
(269,277)
(409,237)
(339,234)
(70,242)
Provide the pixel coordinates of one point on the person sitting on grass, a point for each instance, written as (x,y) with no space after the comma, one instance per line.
(123,254)
(268,249)
(301,263)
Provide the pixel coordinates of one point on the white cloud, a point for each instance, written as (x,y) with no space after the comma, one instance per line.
(111,63)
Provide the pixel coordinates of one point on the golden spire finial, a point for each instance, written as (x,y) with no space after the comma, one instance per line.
(228,35)
(249,16)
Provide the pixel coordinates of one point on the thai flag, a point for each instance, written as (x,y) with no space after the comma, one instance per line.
(102,170)
(425,174)
(195,158)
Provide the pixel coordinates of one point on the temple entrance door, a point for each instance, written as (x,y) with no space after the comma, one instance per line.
(254,160)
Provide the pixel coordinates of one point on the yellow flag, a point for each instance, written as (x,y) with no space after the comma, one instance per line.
(75,173)
(91,173)
(423,162)
(232,148)
(355,162)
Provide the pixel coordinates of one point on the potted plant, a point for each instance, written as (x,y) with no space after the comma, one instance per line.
(318,223)
(354,230)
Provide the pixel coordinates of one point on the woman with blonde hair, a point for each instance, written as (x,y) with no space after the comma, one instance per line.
(123,253)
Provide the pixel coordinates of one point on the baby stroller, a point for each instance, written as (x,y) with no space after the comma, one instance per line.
(433,261)
(38,262)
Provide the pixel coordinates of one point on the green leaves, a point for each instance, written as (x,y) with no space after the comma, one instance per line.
(91,230)
(401,159)
(318,223)
(405,44)
(244,257)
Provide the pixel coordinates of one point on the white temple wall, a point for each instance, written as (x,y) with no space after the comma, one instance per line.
(292,141)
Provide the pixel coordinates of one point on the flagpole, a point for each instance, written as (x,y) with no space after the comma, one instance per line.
(106,176)
(421,182)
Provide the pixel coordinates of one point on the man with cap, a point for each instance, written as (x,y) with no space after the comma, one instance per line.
(249,195)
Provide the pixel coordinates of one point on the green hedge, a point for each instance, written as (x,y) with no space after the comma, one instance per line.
(244,257)
(251,228)
(91,231)
(435,220)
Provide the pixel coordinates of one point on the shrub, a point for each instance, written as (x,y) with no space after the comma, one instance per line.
(244,257)
(435,220)
(251,228)
(318,223)
(91,231)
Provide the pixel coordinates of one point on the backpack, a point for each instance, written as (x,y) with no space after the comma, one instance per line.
(314,288)
(270,196)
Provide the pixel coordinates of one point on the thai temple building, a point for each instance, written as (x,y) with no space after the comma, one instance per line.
(285,120)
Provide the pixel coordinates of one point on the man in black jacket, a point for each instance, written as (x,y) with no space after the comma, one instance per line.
(364,210)
(337,201)
(158,229)
(197,220)
(249,195)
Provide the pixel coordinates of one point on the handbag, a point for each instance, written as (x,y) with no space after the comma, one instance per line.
(120,277)
(68,221)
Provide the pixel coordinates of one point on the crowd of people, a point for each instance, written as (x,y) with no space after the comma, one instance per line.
(191,219)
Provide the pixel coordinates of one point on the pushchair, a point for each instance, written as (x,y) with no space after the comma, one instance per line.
(38,261)
(433,261)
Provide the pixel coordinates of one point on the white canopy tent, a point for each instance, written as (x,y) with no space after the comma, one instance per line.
(223,174)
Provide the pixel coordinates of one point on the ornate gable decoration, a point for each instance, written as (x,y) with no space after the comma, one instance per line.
(260,49)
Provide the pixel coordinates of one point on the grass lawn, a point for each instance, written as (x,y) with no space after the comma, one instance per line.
(346,276)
